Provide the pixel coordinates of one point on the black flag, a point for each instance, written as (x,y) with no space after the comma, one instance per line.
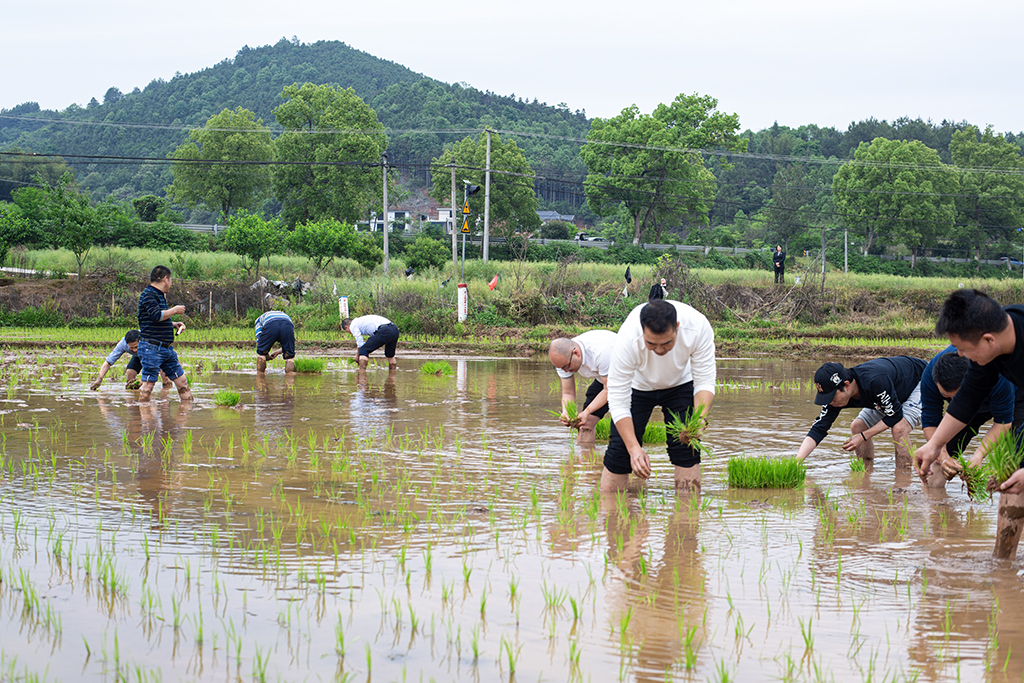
(629,278)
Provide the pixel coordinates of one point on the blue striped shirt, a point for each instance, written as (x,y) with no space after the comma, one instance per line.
(267,317)
(152,305)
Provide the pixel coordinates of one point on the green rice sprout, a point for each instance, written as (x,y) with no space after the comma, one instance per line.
(762,472)
(686,431)
(603,429)
(857,465)
(310,365)
(226,397)
(975,478)
(653,433)
(573,413)
(437,368)
(133,385)
(1003,457)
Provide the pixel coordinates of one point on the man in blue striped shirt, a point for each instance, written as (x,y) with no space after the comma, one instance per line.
(157,332)
(275,327)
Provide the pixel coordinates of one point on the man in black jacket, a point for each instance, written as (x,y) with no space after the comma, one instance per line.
(779,259)
(888,391)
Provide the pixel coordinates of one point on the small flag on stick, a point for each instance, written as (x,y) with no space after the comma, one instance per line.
(494,283)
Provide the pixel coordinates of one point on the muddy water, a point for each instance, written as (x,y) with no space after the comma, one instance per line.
(403,527)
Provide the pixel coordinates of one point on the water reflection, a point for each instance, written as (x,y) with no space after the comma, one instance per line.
(373,404)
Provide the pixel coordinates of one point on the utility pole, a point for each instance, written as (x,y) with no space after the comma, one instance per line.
(455,244)
(846,252)
(384,165)
(487,195)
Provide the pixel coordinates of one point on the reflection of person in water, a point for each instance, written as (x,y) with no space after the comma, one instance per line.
(274,402)
(155,474)
(370,408)
(659,629)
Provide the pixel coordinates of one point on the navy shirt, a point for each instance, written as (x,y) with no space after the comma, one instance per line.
(1000,403)
(981,379)
(152,305)
(884,384)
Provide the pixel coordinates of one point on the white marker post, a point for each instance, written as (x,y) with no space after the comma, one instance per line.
(343,307)
(463,301)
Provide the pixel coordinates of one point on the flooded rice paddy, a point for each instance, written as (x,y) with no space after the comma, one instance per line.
(417,528)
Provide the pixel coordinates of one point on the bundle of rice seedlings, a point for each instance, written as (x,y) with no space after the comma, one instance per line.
(313,365)
(603,430)
(133,385)
(226,397)
(686,431)
(975,478)
(437,368)
(572,411)
(857,465)
(762,472)
(1003,457)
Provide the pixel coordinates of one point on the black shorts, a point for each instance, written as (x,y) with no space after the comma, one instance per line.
(386,336)
(593,390)
(135,364)
(678,400)
(278,330)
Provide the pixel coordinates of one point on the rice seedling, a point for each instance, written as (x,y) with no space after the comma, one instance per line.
(688,431)
(572,411)
(857,465)
(764,472)
(226,397)
(1003,457)
(654,433)
(975,478)
(437,368)
(310,365)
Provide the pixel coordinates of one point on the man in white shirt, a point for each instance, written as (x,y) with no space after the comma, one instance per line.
(664,356)
(379,331)
(589,355)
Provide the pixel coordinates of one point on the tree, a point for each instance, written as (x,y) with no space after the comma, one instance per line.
(513,200)
(322,241)
(650,163)
(253,238)
(239,140)
(149,207)
(790,195)
(427,253)
(991,186)
(69,221)
(898,190)
(11,225)
(331,139)
(557,230)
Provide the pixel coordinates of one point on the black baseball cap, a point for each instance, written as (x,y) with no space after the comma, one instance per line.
(827,379)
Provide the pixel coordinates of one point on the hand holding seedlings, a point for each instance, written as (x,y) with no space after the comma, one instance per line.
(1015,484)
(951,466)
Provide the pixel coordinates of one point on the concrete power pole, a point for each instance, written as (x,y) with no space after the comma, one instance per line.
(455,245)
(487,196)
(384,165)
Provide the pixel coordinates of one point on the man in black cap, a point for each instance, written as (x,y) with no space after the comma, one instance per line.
(888,391)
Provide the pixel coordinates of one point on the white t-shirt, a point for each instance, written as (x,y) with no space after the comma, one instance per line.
(366,325)
(597,347)
(635,367)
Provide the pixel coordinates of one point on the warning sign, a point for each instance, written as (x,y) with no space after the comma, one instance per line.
(465,209)
(465,226)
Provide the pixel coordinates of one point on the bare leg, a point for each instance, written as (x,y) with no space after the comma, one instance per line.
(146,390)
(688,478)
(363,362)
(167,383)
(1009,523)
(865,451)
(184,393)
(261,364)
(587,435)
(901,437)
(289,366)
(392,363)
(610,483)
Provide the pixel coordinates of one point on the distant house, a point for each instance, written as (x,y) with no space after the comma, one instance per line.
(548,216)
(414,222)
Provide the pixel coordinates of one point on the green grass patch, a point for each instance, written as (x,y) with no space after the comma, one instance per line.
(437,368)
(226,397)
(310,365)
(762,472)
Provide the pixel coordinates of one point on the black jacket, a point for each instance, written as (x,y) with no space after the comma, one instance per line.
(980,379)
(779,259)
(884,383)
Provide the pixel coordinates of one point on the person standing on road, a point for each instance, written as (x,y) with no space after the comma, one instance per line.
(664,356)
(589,355)
(130,345)
(779,259)
(379,332)
(888,392)
(275,327)
(157,332)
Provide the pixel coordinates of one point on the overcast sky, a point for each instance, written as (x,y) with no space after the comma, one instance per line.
(794,61)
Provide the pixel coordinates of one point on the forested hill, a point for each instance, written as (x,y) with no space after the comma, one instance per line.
(404,100)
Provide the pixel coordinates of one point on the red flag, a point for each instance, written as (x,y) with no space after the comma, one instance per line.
(494,283)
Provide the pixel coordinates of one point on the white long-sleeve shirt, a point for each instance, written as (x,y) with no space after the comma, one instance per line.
(635,367)
(597,347)
(366,325)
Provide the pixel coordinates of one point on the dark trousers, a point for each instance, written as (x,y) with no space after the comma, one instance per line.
(386,336)
(678,400)
(780,274)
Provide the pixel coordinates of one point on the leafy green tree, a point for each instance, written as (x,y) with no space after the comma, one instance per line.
(331,137)
(253,238)
(557,230)
(513,200)
(242,142)
(17,171)
(786,212)
(149,207)
(991,186)
(11,226)
(897,190)
(364,252)
(427,253)
(648,163)
(322,241)
(70,222)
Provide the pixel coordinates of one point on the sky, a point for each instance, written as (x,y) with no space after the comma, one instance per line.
(792,61)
